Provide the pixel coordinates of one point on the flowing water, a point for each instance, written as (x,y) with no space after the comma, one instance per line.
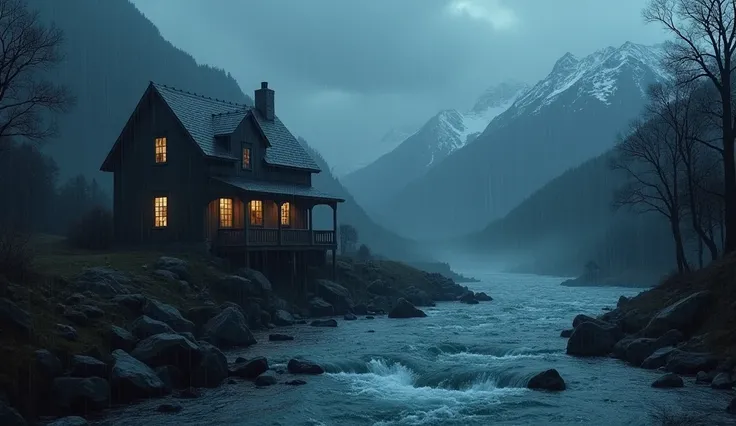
(462,365)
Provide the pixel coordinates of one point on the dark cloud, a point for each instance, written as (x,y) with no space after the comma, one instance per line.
(346,71)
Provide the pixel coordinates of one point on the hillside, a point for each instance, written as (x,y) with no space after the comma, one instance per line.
(570,221)
(438,138)
(374,236)
(112,52)
(574,114)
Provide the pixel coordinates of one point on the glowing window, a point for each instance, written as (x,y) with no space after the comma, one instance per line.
(285,210)
(256,212)
(226,213)
(246,158)
(160,150)
(160,212)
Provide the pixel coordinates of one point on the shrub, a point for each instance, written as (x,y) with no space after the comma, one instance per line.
(93,231)
(364,253)
(15,254)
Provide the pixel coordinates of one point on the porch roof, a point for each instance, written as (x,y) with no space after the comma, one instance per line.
(278,188)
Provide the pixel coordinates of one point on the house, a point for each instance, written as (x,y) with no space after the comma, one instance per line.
(193,169)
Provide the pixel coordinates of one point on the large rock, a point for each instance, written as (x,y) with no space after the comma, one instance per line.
(168,314)
(682,362)
(80,395)
(103,281)
(469,298)
(682,315)
(324,323)
(547,380)
(282,318)
(131,379)
(133,302)
(87,366)
(722,381)
(640,349)
(68,421)
(10,417)
(121,338)
(404,309)
(590,339)
(417,296)
(300,366)
(145,326)
(380,288)
(168,349)
(178,267)
(336,295)
(212,369)
(249,369)
(266,379)
(581,318)
(319,307)
(260,284)
(199,315)
(669,380)
(14,318)
(228,329)
(48,364)
(658,359)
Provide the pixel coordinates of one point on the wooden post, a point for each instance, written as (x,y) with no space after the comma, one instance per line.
(334,265)
(334,243)
(311,226)
(246,222)
(278,218)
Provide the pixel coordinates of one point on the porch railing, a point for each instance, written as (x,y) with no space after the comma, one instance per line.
(270,237)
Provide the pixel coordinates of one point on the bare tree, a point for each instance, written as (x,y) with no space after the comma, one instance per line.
(703,49)
(29,49)
(653,165)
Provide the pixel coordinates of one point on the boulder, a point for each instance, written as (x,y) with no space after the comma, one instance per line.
(10,417)
(165,275)
(212,369)
(295,382)
(349,317)
(640,349)
(682,315)
(266,379)
(619,349)
(66,332)
(91,311)
(417,297)
(178,267)
(168,349)
(121,338)
(566,333)
(75,316)
(228,329)
(380,288)
(169,408)
(170,376)
(282,318)
(633,321)
(658,359)
(300,366)
(103,281)
(581,318)
(547,380)
(168,314)
(199,315)
(590,339)
(14,318)
(81,395)
(404,309)
(132,302)
(682,362)
(669,380)
(260,284)
(483,297)
(336,295)
(324,323)
(249,369)
(279,337)
(703,377)
(731,408)
(48,364)
(69,421)
(469,298)
(722,381)
(131,379)
(87,366)
(318,307)
(145,326)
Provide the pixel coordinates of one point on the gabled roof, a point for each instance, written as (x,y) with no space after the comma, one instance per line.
(280,188)
(205,117)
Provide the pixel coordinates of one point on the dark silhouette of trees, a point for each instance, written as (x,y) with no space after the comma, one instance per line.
(29,50)
(348,238)
(703,50)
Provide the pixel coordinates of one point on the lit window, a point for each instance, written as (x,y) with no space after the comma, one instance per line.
(160,150)
(226,213)
(285,214)
(246,158)
(256,212)
(160,212)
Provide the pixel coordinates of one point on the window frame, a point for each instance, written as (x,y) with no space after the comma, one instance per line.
(230,215)
(287,217)
(246,146)
(165,152)
(165,209)
(251,211)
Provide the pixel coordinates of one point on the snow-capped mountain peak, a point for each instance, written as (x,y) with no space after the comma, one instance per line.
(596,75)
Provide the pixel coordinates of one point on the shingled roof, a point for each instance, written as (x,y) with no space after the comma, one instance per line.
(204,118)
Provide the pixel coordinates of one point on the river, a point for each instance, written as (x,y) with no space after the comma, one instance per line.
(462,365)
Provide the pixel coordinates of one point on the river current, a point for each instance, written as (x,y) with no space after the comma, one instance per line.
(462,365)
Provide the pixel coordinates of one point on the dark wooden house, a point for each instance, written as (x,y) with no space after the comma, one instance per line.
(192,169)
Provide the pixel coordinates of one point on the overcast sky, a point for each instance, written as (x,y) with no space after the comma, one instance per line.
(347,71)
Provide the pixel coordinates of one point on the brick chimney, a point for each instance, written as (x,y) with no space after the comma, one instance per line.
(264,102)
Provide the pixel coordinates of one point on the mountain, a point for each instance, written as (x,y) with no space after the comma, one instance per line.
(572,115)
(378,239)
(442,135)
(112,52)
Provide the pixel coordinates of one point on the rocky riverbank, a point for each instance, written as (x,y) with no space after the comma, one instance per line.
(684,327)
(89,331)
